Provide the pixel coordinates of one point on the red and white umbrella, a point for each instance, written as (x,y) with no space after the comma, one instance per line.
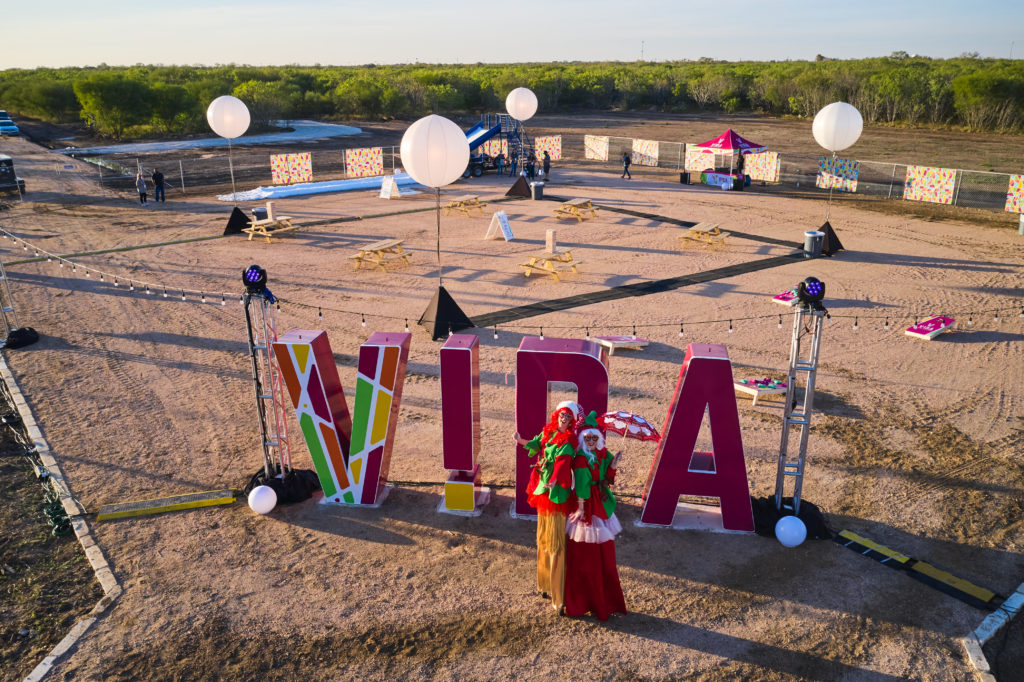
(628,425)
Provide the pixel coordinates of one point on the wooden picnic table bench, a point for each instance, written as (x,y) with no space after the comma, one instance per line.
(268,227)
(465,204)
(550,262)
(705,234)
(378,252)
(577,208)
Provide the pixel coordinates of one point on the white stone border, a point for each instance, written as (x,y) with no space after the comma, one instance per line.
(993,622)
(111,589)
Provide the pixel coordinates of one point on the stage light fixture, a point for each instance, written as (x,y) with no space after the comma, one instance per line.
(810,293)
(255,279)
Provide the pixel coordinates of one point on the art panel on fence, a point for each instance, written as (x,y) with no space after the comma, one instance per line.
(645,152)
(1015,194)
(697,161)
(766,166)
(552,144)
(364,163)
(838,174)
(595,147)
(935,185)
(287,169)
(494,146)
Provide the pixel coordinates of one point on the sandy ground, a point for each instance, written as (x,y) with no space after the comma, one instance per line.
(916,445)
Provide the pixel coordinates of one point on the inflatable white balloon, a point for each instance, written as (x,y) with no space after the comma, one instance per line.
(228,116)
(435,151)
(262,499)
(521,104)
(790,531)
(837,126)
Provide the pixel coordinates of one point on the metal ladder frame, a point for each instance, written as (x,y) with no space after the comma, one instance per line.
(7,305)
(262,331)
(798,417)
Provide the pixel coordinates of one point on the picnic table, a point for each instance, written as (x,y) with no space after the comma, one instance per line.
(378,253)
(621,342)
(705,234)
(577,208)
(268,227)
(465,204)
(550,262)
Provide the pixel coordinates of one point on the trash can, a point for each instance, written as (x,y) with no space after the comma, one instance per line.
(537,190)
(684,178)
(259,213)
(812,243)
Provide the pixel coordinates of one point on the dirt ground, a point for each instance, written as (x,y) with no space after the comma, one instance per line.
(916,444)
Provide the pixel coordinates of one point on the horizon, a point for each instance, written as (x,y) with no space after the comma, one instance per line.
(315,33)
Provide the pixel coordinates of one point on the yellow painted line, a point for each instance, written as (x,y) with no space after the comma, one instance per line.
(951,580)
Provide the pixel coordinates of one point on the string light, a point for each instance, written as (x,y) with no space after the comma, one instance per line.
(730,326)
(780,321)
(131,285)
(222,301)
(319,314)
(495,330)
(87,274)
(101,277)
(115,282)
(680,330)
(202,297)
(407,324)
(855,320)
(588,333)
(970,319)
(886,327)
(147,290)
(183,294)
(997,317)
(363,317)
(74,268)
(61,263)
(165,293)
(634,332)
(542,333)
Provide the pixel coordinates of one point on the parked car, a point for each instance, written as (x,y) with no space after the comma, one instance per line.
(4,114)
(7,127)
(9,180)
(478,164)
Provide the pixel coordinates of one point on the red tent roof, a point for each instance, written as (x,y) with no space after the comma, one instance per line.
(730,142)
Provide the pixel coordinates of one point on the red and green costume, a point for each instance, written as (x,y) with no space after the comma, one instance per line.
(592,578)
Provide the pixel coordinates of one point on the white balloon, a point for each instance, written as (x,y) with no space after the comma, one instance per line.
(435,151)
(790,531)
(262,499)
(521,104)
(837,126)
(228,116)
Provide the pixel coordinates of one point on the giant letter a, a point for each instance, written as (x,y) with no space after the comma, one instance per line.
(351,453)
(705,383)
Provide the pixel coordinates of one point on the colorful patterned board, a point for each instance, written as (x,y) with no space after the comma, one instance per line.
(766,166)
(552,144)
(364,163)
(697,161)
(935,185)
(786,298)
(595,147)
(930,327)
(286,169)
(1015,194)
(494,146)
(351,453)
(834,173)
(704,386)
(645,152)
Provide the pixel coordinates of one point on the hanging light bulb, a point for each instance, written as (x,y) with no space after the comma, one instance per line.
(183,294)
(87,273)
(780,321)
(407,324)
(101,277)
(886,327)
(74,268)
(680,330)
(495,330)
(147,289)
(730,326)
(997,317)
(202,297)
(363,317)
(319,314)
(165,293)
(241,299)
(542,333)
(855,320)
(37,253)
(61,263)
(49,259)
(588,333)
(222,301)
(634,332)
(970,318)
(131,285)
(116,284)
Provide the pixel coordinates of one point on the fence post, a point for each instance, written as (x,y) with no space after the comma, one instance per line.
(181,174)
(100,166)
(679,154)
(891,181)
(957,173)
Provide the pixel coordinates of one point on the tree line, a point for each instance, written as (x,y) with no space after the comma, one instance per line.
(969,92)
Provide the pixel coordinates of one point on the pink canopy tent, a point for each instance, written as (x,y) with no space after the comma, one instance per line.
(728,142)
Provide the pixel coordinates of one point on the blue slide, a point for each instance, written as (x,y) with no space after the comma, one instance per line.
(477,135)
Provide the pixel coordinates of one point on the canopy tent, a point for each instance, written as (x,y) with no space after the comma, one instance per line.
(730,142)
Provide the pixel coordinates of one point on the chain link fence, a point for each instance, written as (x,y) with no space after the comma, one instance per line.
(210,171)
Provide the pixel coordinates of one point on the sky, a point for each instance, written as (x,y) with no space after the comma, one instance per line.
(350,32)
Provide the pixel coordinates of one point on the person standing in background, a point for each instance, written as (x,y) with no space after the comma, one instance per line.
(547,166)
(140,184)
(625,166)
(158,186)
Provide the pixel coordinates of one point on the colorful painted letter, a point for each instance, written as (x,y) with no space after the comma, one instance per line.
(460,420)
(351,453)
(705,383)
(538,362)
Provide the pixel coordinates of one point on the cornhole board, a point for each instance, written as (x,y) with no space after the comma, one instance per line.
(931,327)
(759,387)
(786,298)
(619,342)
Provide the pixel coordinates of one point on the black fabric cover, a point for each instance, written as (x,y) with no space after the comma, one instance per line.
(444,315)
(830,244)
(297,485)
(236,222)
(20,337)
(520,188)
(766,516)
